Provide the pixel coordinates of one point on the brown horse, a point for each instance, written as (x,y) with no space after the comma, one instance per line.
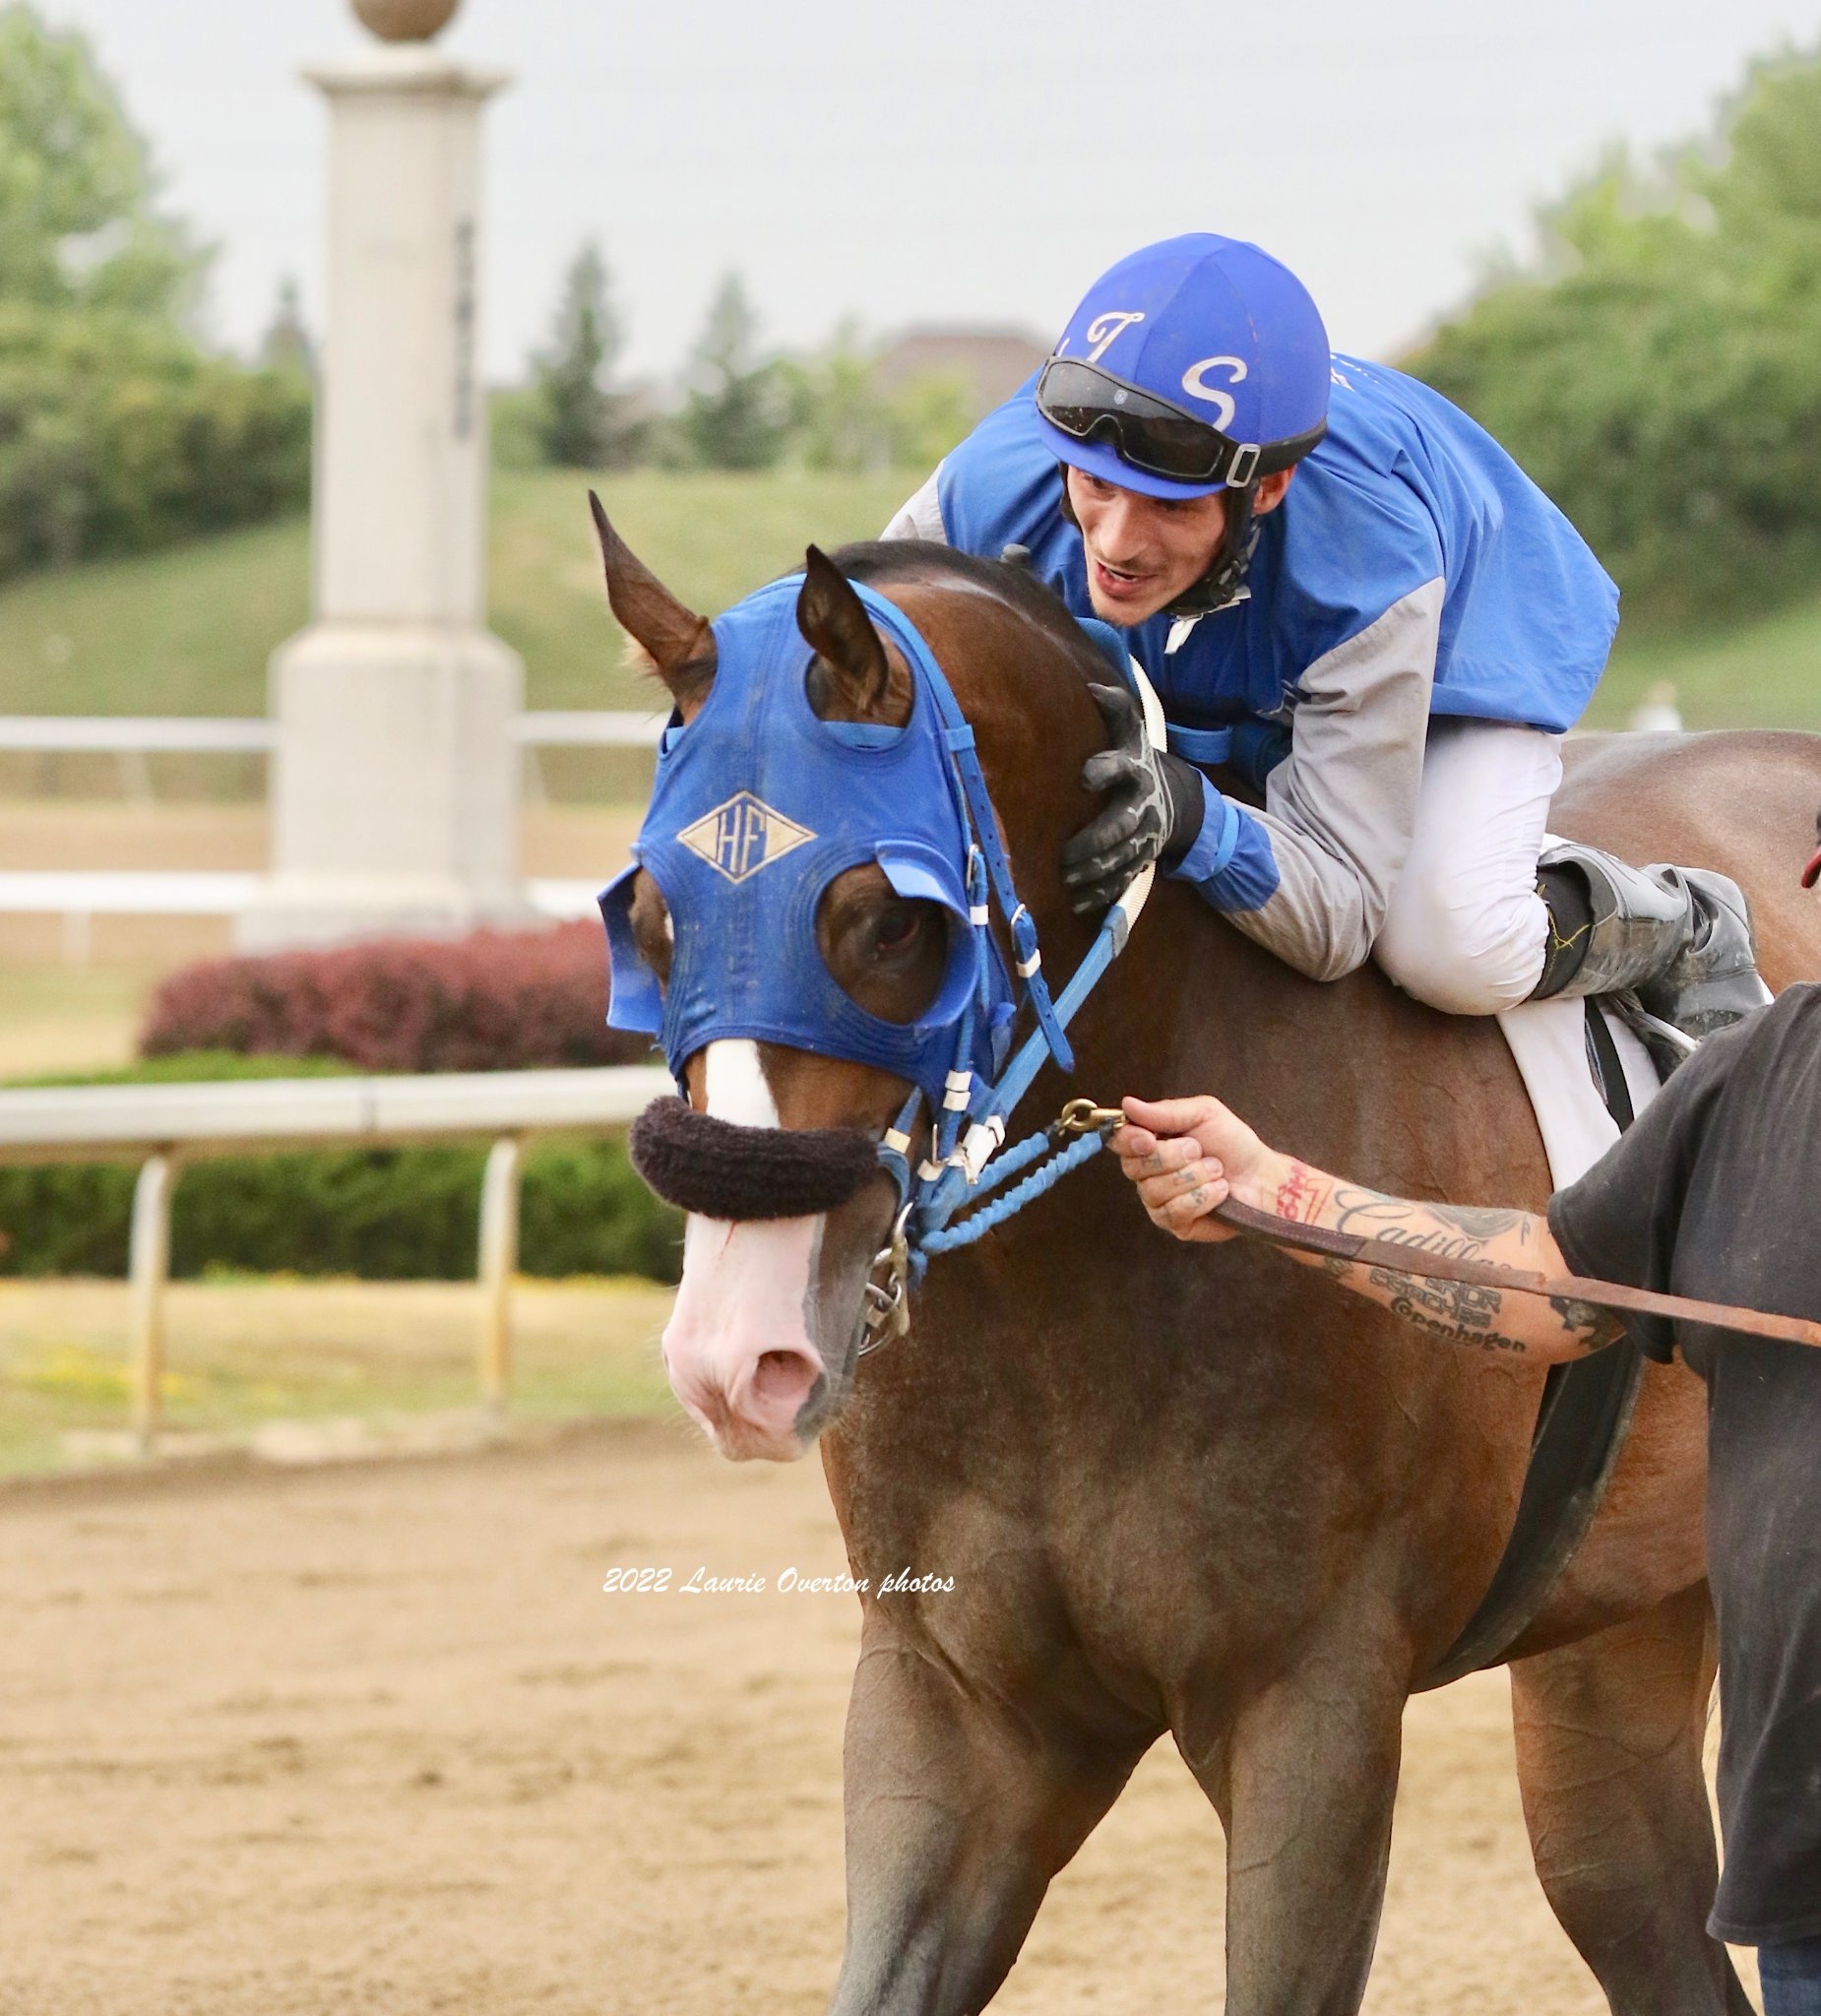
(1193,1490)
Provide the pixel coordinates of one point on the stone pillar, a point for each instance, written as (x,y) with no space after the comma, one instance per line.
(395,793)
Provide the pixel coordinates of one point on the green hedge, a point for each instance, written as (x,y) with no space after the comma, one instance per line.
(118,435)
(407,1213)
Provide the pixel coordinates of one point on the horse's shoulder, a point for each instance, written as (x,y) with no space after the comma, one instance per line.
(1742,800)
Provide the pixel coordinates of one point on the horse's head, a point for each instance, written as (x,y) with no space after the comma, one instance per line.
(797,928)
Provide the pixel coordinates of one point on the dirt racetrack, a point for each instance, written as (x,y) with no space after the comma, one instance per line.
(371,1738)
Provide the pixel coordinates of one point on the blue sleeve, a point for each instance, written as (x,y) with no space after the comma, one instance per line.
(1230,865)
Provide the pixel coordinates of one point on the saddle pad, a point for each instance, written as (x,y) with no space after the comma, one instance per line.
(1548,1039)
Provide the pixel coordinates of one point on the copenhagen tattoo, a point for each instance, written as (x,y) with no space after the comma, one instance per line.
(1454,1309)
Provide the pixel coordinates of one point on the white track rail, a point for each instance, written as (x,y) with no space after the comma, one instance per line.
(164,1126)
(208,892)
(115,735)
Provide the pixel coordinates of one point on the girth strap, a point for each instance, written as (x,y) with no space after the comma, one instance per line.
(1582,1423)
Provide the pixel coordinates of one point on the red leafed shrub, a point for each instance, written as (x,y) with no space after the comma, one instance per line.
(492,1002)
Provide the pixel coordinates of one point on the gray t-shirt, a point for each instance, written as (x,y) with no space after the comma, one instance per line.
(1716,1193)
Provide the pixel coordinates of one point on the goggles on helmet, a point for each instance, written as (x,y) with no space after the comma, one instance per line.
(1081,401)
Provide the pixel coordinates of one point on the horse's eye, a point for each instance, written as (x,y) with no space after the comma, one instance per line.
(898,927)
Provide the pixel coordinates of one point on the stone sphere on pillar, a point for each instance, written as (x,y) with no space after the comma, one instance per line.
(406,21)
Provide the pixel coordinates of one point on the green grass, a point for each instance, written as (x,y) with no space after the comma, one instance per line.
(709,538)
(1762,674)
(318,1356)
(189,631)
(181,632)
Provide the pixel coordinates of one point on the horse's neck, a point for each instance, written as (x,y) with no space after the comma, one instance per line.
(1351,1074)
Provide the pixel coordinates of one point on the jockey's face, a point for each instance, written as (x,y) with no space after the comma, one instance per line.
(1143,552)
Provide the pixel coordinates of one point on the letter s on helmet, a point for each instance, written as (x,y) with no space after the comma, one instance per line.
(1194,365)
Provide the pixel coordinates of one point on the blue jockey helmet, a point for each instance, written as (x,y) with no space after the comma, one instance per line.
(1197,364)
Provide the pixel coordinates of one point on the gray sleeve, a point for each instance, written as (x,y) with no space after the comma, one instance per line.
(921,517)
(1341,809)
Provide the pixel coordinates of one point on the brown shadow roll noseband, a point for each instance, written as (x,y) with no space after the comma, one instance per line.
(724,1171)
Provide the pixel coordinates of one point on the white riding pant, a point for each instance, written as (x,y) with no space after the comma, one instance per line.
(1465,930)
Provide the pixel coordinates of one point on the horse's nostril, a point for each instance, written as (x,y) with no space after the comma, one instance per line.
(783,1375)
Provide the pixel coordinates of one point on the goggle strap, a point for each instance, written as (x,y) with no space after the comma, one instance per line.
(1236,464)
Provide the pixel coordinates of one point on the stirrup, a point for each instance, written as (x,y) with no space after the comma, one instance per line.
(1672,947)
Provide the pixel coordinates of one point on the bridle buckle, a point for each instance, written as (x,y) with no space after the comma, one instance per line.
(885,1310)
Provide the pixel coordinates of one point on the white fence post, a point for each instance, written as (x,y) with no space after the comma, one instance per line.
(150,1271)
(162,1127)
(499,1261)
(77,937)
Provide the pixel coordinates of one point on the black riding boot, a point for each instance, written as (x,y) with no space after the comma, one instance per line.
(1673,944)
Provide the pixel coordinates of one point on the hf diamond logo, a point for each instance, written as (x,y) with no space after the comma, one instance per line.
(742,836)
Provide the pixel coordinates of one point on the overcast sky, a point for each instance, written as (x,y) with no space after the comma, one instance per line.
(947,160)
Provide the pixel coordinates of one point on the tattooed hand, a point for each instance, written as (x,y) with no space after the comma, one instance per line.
(1187,1156)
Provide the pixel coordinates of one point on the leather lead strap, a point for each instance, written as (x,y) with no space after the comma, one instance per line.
(1604,1295)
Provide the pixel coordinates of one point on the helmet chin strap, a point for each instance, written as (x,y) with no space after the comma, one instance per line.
(1225,577)
(1227,571)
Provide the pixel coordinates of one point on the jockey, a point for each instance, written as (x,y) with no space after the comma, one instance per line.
(1347,591)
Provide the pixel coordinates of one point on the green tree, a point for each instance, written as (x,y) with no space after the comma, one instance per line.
(575,413)
(735,415)
(117,430)
(1658,367)
(287,345)
(842,418)
(930,413)
(77,221)
(837,416)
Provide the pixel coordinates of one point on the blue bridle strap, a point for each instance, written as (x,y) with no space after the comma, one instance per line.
(946,1238)
(969,1130)
(957,736)
(951,1182)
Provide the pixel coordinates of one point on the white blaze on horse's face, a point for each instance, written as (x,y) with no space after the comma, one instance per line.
(733,1074)
(737,1349)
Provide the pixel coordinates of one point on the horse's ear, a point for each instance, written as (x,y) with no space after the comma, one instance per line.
(834,619)
(680,644)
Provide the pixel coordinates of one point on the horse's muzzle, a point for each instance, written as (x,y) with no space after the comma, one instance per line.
(725,1171)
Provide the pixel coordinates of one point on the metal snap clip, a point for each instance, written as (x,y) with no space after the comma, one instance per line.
(1082,1117)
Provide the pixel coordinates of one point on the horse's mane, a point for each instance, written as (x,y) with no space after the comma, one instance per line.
(880,563)
(928,563)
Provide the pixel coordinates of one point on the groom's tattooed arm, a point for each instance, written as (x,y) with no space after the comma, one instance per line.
(1548,1326)
(1188,1155)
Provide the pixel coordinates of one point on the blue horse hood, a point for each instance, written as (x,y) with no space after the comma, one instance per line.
(758,805)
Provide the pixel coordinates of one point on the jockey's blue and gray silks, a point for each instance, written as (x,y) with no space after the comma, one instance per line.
(1412,571)
(758,805)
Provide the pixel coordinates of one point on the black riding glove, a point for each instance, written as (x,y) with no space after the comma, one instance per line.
(1154,809)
